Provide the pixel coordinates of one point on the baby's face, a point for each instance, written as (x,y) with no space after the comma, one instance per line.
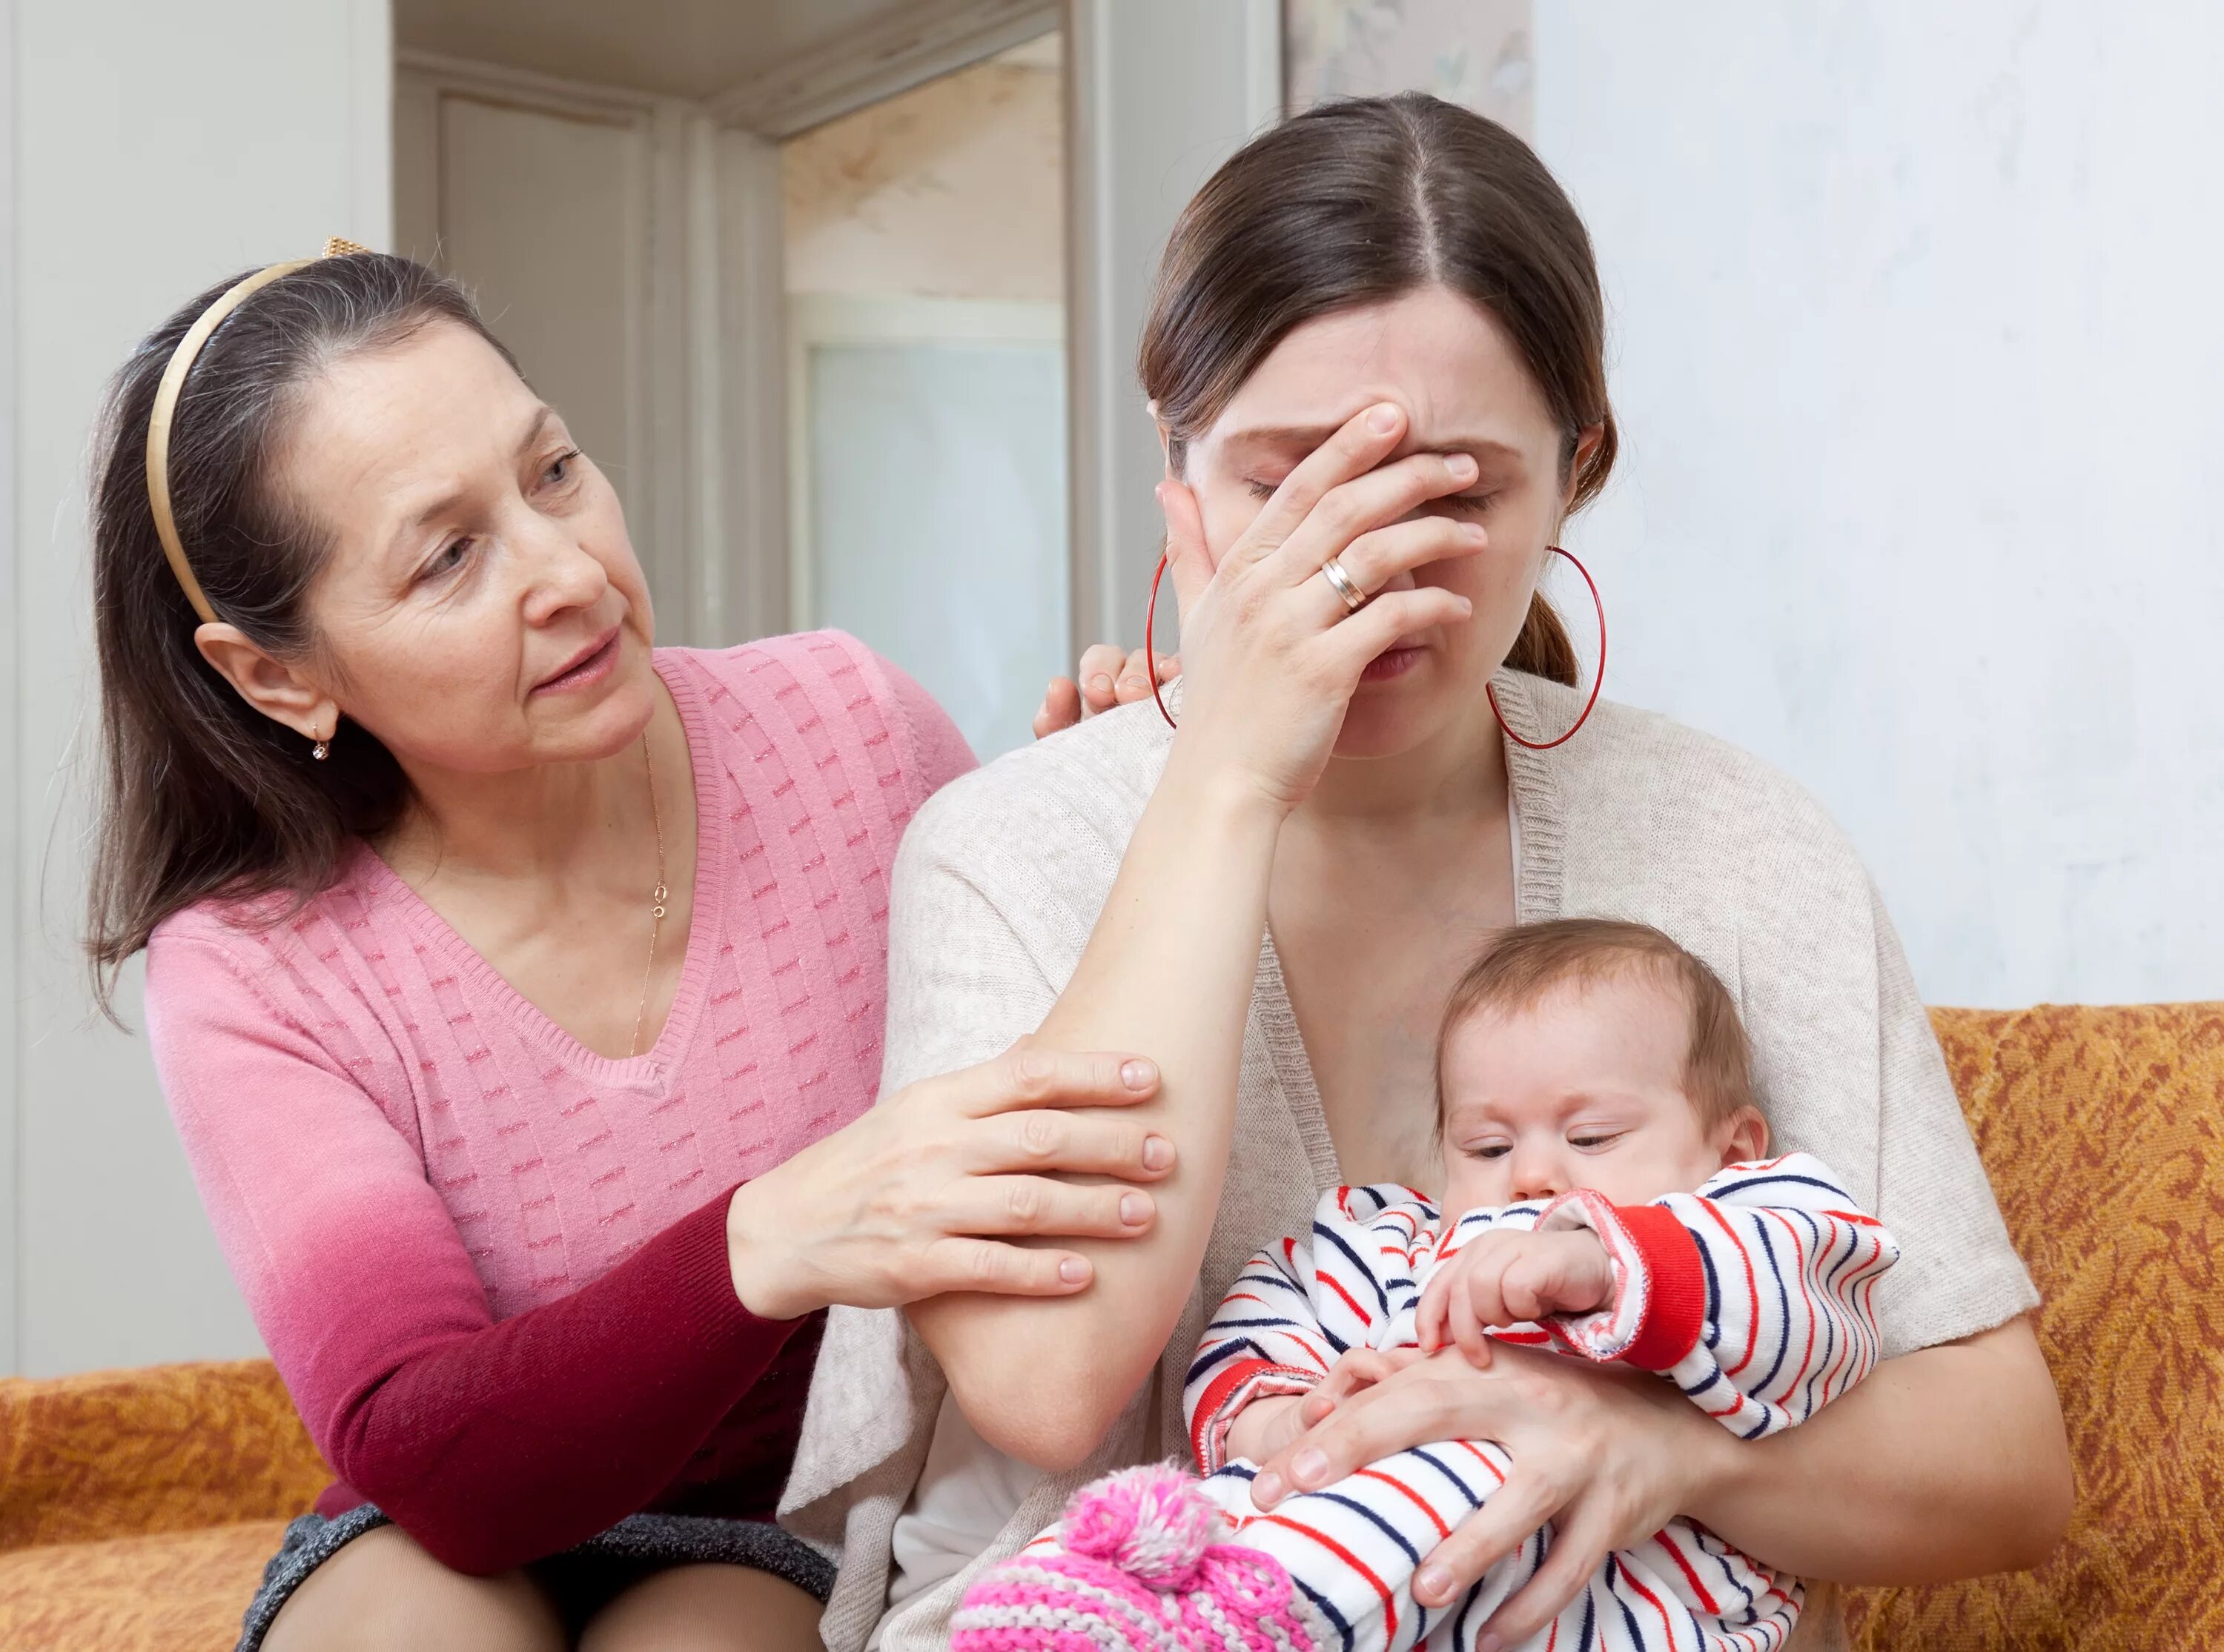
(1584,1088)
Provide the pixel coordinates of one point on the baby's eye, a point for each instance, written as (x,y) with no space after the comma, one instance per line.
(1490,1150)
(1591,1141)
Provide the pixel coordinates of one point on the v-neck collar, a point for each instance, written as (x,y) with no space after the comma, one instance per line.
(649,1070)
(1540,883)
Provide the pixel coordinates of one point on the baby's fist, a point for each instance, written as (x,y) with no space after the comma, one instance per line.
(1509,1276)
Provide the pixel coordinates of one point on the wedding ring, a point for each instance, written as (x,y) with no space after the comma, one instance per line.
(1340,581)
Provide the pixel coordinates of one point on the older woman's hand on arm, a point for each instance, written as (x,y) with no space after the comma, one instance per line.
(928,1192)
(1272,657)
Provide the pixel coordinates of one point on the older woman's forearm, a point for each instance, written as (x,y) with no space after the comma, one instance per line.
(1167,972)
(1945,1463)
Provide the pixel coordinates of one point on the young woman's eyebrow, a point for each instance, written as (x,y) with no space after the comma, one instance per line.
(1304,438)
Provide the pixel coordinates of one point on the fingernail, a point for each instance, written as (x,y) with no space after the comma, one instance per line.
(1158,1153)
(1073,1270)
(1136,683)
(1309,1465)
(1100,684)
(1138,1075)
(1487,1641)
(1461,465)
(1476,532)
(1383,419)
(1434,1580)
(1134,1209)
(1266,1489)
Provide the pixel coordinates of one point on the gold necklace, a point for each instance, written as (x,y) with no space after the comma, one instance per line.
(656,901)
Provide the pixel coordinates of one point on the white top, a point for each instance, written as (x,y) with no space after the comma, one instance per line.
(1000,881)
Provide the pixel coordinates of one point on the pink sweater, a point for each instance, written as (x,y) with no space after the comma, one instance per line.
(490,1264)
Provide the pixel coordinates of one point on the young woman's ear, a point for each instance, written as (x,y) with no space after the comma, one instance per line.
(1165,440)
(1586,445)
(1743,1136)
(272,687)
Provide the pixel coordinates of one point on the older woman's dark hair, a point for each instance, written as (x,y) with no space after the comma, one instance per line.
(203,795)
(1360,202)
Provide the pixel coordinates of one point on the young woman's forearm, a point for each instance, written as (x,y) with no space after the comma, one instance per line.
(1945,1463)
(1168,971)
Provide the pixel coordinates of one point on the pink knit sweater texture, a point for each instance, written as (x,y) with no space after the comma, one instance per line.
(489,1263)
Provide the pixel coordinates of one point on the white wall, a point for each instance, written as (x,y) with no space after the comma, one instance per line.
(154,146)
(1918,350)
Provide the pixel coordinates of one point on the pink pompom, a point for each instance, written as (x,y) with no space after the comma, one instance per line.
(1154,1523)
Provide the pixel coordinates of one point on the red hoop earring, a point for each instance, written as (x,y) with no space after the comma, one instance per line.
(1597,682)
(1151,653)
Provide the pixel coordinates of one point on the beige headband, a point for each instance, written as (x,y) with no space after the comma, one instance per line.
(166,408)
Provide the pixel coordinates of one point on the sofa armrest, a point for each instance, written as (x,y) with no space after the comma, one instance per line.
(121,1454)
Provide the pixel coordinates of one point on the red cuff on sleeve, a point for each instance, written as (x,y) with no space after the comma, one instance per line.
(1208,1427)
(1676,1292)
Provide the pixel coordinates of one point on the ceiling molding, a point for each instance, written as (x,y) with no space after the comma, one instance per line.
(914,44)
(500,82)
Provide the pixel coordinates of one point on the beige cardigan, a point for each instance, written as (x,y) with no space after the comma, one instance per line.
(999,882)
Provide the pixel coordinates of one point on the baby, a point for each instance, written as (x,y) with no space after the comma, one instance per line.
(1601,1145)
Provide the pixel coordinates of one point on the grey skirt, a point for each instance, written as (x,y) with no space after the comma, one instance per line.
(580,1581)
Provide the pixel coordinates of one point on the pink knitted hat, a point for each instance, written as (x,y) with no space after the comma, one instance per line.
(1133,1568)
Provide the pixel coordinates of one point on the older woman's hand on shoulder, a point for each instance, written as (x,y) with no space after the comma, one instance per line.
(949,1184)
(1104,678)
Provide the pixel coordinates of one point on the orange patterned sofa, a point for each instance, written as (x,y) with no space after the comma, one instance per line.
(136,1508)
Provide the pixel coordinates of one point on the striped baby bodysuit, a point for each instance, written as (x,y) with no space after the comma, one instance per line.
(1752,1296)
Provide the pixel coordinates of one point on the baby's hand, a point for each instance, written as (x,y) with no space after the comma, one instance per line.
(1507,1277)
(1274,1422)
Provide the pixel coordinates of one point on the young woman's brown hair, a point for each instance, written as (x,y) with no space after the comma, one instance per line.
(1357,202)
(204,795)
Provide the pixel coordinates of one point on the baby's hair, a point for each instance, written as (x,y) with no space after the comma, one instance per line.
(1518,965)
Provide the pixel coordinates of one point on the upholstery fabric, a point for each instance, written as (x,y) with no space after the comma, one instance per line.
(2101,1130)
(170,1592)
(123,1454)
(137,1508)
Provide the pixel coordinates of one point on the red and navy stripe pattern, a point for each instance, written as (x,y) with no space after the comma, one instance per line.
(1753,1295)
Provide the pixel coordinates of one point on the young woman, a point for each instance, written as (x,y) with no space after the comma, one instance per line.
(517,986)
(1376,357)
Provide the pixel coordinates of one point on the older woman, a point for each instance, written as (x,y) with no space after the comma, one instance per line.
(1376,356)
(517,986)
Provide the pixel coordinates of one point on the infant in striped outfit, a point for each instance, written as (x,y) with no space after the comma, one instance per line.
(1603,1156)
